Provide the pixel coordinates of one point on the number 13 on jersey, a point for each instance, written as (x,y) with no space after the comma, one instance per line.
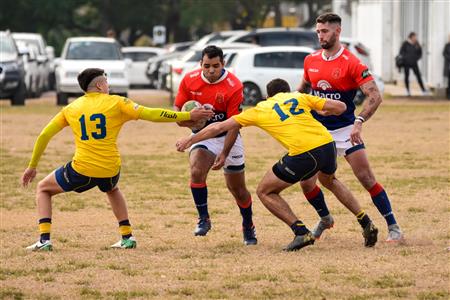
(100,124)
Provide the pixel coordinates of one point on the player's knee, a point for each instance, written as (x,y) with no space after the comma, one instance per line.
(197,174)
(43,186)
(327,180)
(366,178)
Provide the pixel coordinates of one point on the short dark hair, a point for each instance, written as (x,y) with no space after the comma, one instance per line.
(212,51)
(85,77)
(329,18)
(276,86)
(411,34)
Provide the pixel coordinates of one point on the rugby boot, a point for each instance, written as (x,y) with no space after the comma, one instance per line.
(300,241)
(326,222)
(203,226)
(370,234)
(395,234)
(41,246)
(129,243)
(249,235)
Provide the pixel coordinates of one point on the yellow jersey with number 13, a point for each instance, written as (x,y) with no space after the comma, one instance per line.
(95,120)
(287,118)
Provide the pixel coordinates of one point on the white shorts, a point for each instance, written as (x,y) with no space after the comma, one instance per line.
(235,161)
(342,138)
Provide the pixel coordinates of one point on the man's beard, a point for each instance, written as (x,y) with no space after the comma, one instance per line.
(330,43)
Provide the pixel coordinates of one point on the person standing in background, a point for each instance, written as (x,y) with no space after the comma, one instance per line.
(446,54)
(411,52)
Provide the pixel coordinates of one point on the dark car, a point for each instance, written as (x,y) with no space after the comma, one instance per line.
(12,72)
(278,37)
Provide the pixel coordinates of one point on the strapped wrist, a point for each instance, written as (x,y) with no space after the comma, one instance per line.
(360,119)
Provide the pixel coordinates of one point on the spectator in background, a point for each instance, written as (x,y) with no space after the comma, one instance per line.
(111,33)
(411,52)
(446,54)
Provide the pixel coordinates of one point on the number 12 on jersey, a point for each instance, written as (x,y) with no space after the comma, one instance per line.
(293,109)
(100,124)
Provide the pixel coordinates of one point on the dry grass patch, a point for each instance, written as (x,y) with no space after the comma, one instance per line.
(408,145)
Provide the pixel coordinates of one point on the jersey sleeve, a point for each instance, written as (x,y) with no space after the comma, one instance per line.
(130,110)
(360,72)
(314,102)
(182,95)
(163,115)
(52,128)
(248,117)
(234,104)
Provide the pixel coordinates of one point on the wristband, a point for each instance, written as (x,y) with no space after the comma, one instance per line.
(360,119)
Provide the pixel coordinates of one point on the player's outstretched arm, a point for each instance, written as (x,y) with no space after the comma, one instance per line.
(333,107)
(208,132)
(44,137)
(166,115)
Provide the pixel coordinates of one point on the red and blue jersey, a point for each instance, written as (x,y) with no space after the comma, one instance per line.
(338,78)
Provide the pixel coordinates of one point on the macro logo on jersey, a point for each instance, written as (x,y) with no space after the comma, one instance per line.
(324,85)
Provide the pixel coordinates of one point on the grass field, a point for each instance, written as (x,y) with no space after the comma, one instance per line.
(408,145)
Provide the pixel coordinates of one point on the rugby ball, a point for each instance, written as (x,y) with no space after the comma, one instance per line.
(190,105)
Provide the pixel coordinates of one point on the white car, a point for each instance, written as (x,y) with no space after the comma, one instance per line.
(256,67)
(80,53)
(139,57)
(191,61)
(43,58)
(31,66)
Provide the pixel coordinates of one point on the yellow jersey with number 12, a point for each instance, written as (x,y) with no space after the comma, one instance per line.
(95,120)
(287,118)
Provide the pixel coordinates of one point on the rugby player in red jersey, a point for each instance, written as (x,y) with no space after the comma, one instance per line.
(335,73)
(217,89)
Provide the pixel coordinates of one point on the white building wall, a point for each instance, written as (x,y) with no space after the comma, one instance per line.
(383,25)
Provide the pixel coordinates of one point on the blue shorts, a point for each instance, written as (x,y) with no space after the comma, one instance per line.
(69,180)
(303,166)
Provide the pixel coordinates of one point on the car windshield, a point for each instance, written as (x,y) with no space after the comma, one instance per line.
(7,46)
(87,50)
(194,55)
(139,56)
(32,42)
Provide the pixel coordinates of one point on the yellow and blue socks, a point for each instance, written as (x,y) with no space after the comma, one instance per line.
(317,200)
(200,194)
(381,201)
(125,229)
(45,225)
(299,228)
(246,213)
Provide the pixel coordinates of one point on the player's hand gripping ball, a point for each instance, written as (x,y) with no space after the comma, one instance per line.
(190,105)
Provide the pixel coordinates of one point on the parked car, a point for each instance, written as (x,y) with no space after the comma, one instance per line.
(256,67)
(80,53)
(32,72)
(139,57)
(43,59)
(217,37)
(190,61)
(12,72)
(278,36)
(178,47)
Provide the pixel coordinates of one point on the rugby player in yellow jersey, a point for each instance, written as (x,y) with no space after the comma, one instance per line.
(287,118)
(95,119)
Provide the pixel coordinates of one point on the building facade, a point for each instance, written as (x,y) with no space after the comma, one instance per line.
(382,25)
